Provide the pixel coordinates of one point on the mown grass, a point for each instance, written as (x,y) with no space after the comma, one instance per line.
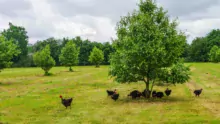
(28,97)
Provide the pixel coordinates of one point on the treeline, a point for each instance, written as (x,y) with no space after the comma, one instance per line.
(197,51)
(86,47)
(19,37)
(200,48)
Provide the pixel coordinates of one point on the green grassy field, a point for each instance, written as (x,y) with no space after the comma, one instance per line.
(28,97)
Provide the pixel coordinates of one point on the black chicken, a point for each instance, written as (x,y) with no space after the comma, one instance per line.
(168,92)
(135,94)
(66,102)
(115,96)
(159,94)
(197,92)
(154,94)
(110,92)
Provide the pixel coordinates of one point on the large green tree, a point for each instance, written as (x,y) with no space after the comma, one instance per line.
(69,55)
(44,60)
(18,35)
(7,50)
(96,56)
(147,43)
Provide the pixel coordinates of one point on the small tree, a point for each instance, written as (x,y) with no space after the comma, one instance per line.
(7,51)
(96,56)
(214,54)
(44,60)
(147,43)
(69,55)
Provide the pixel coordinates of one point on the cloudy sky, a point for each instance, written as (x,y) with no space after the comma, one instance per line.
(96,19)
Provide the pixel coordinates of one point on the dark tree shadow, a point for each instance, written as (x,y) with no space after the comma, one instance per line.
(11,83)
(155,100)
(43,75)
(6,84)
(70,71)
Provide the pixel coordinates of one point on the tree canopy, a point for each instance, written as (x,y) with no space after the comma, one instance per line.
(69,55)
(7,51)
(147,42)
(18,35)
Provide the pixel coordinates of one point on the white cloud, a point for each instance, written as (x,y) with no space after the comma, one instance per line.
(96,19)
(200,27)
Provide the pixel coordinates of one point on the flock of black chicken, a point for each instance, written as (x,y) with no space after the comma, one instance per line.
(134,94)
(137,94)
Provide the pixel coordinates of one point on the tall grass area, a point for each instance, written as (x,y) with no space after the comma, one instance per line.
(28,97)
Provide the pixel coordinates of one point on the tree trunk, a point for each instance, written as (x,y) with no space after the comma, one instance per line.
(46,73)
(147,82)
(70,69)
(97,66)
(152,86)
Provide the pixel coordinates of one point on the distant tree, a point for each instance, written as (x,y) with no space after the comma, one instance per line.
(198,51)
(107,50)
(85,46)
(18,35)
(213,38)
(214,54)
(7,50)
(55,48)
(44,60)
(147,42)
(30,48)
(185,54)
(85,50)
(96,56)
(201,46)
(69,55)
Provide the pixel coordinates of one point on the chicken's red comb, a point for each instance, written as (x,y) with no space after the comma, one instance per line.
(60,96)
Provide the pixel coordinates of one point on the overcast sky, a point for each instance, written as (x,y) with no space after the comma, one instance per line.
(96,19)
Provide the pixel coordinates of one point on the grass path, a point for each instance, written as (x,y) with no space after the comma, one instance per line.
(26,97)
(205,76)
